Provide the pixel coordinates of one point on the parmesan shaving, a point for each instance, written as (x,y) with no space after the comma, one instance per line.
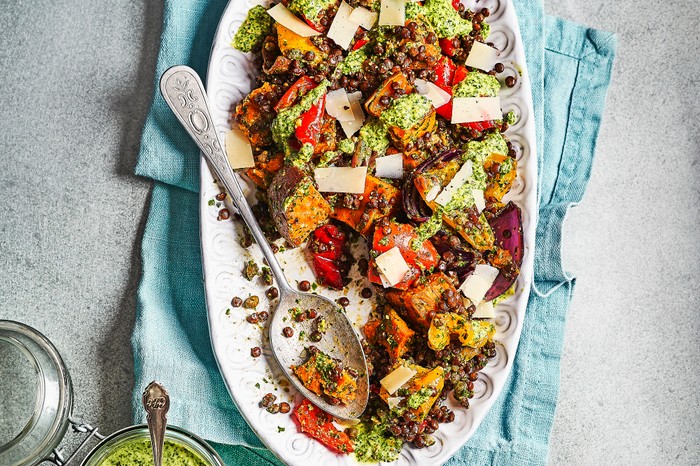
(473,109)
(461,177)
(437,96)
(479,282)
(338,106)
(286,18)
(482,56)
(363,17)
(392,265)
(479,200)
(390,166)
(341,179)
(396,378)
(392,13)
(342,30)
(238,149)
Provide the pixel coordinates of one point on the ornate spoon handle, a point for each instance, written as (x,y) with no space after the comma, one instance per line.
(156,401)
(184,93)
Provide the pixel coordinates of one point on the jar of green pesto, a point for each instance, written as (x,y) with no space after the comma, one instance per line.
(36,402)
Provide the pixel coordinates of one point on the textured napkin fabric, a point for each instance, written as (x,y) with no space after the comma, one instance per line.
(570,69)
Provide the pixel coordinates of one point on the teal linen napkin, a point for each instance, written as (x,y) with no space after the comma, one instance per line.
(570,68)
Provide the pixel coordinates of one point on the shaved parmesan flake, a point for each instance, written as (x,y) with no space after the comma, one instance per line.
(352,127)
(342,30)
(437,96)
(341,179)
(286,18)
(432,193)
(482,56)
(390,166)
(461,177)
(238,150)
(393,401)
(484,310)
(396,378)
(363,17)
(478,283)
(479,200)
(392,13)
(338,105)
(473,109)
(392,265)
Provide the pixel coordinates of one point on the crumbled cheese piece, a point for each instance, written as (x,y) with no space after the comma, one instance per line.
(389,166)
(363,17)
(342,30)
(437,96)
(392,13)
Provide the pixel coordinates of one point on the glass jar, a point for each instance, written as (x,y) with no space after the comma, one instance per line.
(36,404)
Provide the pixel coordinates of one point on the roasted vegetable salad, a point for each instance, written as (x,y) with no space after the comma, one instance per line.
(381,120)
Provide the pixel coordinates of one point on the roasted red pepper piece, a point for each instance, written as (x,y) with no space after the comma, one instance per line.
(326,247)
(455,4)
(359,43)
(460,74)
(447,47)
(308,130)
(402,235)
(445,71)
(299,88)
(318,425)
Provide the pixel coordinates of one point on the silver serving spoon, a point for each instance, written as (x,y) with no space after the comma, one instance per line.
(184,93)
(156,402)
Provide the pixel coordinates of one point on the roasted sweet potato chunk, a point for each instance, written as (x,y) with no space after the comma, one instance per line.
(386,198)
(253,120)
(387,89)
(391,331)
(420,303)
(296,206)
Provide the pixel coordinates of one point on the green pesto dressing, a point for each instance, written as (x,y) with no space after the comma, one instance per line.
(478,151)
(254,29)
(511,118)
(406,111)
(375,443)
(444,19)
(346,146)
(477,84)
(374,136)
(284,124)
(352,63)
(428,229)
(416,399)
(139,453)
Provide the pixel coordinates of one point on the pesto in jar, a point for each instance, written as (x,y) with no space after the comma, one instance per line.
(138,452)
(254,29)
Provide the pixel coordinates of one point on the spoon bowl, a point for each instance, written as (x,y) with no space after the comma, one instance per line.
(184,92)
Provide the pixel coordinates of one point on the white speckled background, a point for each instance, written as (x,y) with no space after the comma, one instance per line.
(77,81)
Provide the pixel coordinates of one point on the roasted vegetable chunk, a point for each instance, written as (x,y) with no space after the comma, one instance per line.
(319,425)
(324,375)
(380,199)
(419,394)
(312,11)
(266,165)
(502,171)
(295,47)
(253,118)
(391,332)
(420,303)
(296,206)
(471,333)
(419,256)
(388,89)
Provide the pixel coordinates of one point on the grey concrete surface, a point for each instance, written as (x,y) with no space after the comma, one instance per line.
(76,85)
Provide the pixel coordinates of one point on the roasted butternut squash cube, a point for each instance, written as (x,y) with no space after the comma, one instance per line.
(387,198)
(296,206)
(420,303)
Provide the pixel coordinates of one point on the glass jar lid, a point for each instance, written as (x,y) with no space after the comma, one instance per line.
(37,395)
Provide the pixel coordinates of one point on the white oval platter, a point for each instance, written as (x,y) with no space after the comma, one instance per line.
(230,78)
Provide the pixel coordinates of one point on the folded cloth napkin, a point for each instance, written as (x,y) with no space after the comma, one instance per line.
(570,69)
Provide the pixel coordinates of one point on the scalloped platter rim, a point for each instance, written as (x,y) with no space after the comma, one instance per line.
(230,77)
